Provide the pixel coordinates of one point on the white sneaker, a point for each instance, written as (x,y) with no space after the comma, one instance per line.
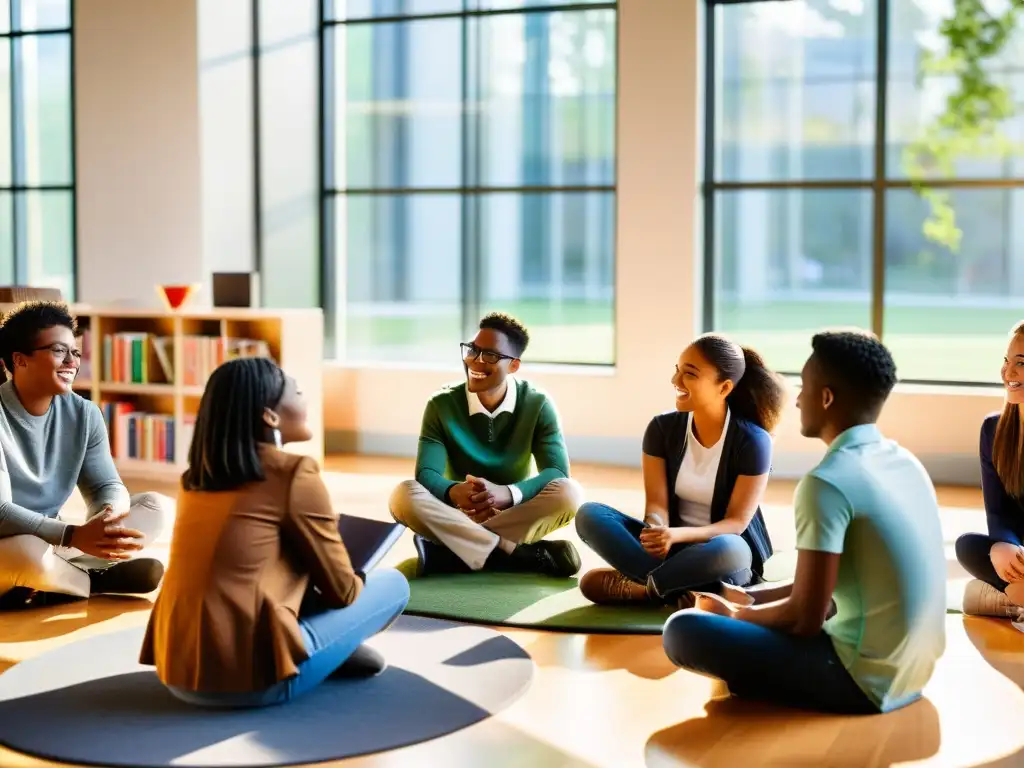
(981,599)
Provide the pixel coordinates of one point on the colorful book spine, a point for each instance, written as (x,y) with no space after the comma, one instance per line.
(126,358)
(138,435)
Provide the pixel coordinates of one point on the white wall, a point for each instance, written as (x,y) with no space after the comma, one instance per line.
(137,147)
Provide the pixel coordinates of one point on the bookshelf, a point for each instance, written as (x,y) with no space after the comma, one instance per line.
(146,369)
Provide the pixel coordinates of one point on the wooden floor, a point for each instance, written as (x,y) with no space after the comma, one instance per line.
(606,700)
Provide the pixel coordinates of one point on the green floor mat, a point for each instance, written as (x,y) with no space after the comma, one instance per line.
(524,600)
(534,601)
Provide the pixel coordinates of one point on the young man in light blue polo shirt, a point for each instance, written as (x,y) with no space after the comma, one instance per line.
(869,539)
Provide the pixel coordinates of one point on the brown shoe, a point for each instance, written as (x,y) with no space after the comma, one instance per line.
(606,586)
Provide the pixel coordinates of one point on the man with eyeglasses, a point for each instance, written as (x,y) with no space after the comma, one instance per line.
(51,440)
(474,503)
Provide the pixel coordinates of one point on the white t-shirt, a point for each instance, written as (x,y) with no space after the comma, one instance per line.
(695,483)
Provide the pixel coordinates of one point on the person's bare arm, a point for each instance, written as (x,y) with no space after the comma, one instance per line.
(655,490)
(804,611)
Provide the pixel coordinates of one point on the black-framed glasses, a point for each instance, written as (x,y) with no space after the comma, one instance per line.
(61,351)
(471,352)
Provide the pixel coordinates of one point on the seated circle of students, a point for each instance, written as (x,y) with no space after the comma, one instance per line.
(260,603)
(705,469)
(868,538)
(996,559)
(52,439)
(473,503)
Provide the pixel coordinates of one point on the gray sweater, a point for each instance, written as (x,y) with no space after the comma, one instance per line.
(43,458)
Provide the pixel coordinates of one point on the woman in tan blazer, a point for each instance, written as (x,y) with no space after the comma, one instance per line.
(260,603)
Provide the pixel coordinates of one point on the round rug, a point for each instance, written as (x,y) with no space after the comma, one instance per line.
(91,702)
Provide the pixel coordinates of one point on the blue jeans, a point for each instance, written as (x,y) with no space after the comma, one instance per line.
(330,637)
(765,664)
(616,537)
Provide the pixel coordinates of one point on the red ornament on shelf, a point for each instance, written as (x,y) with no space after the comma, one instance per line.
(175,296)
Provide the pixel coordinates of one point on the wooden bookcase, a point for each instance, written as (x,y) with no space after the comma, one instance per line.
(189,343)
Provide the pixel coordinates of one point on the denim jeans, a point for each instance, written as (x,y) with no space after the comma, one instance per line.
(616,537)
(972,552)
(765,664)
(330,637)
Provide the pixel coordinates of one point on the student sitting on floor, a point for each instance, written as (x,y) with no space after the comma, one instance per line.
(260,603)
(473,503)
(705,468)
(51,440)
(868,535)
(997,560)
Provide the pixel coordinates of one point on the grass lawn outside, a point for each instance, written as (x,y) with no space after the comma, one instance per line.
(950,344)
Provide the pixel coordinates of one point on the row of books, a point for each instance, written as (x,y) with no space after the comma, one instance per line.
(140,435)
(128,357)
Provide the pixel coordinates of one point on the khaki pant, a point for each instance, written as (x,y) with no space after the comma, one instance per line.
(28,561)
(417,508)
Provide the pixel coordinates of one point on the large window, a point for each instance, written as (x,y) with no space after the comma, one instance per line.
(258,86)
(37,198)
(471,167)
(813,211)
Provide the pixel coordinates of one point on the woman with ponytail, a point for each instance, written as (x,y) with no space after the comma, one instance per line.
(705,468)
(996,560)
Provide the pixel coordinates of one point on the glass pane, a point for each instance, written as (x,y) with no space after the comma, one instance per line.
(225,30)
(290,178)
(549,259)
(403,287)
(547,112)
(49,233)
(5,16)
(6,239)
(284,20)
(45,74)
(364,9)
(795,90)
(917,100)
(789,262)
(399,104)
(947,314)
(5,114)
(45,14)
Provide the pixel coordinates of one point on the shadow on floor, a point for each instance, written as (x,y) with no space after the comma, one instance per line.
(642,656)
(733,729)
(34,624)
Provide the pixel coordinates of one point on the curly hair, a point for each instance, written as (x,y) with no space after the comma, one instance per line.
(20,326)
(513,329)
(858,367)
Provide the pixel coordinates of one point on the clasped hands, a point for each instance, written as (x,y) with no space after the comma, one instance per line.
(658,538)
(104,535)
(480,499)
(1008,561)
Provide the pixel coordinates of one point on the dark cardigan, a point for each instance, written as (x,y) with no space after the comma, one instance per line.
(1003,512)
(747,451)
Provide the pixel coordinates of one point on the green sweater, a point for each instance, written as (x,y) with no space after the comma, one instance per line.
(454,444)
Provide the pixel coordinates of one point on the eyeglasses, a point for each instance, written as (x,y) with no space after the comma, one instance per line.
(472,352)
(61,352)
